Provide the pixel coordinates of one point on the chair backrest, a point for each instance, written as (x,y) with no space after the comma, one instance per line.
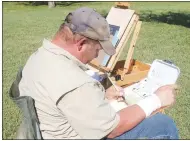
(29,128)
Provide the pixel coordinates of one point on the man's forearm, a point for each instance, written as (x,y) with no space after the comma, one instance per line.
(133,115)
(129,118)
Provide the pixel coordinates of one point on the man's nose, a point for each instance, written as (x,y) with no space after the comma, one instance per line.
(100,48)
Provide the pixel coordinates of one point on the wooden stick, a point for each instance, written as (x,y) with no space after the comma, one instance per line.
(131,48)
(122,43)
(113,84)
(96,65)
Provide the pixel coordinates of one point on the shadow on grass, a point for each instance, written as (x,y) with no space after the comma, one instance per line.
(175,18)
(69,3)
(38,3)
(32,3)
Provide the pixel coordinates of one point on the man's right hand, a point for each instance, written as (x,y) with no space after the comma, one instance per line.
(166,94)
(134,114)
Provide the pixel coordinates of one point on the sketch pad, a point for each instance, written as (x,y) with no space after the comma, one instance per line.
(161,73)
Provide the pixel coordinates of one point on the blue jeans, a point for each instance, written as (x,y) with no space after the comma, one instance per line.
(158,126)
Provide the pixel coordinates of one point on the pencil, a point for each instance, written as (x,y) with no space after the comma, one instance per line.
(113,84)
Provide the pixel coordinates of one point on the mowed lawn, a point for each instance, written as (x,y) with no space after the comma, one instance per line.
(165,34)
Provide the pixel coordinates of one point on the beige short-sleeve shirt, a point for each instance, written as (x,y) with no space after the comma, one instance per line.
(69,103)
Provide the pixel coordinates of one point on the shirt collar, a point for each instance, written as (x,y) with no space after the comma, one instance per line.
(49,46)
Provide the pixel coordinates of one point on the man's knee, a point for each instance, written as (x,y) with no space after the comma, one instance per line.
(165,125)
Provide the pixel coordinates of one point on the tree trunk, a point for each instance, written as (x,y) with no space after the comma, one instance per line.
(51,4)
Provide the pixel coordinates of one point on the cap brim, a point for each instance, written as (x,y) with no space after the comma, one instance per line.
(108,47)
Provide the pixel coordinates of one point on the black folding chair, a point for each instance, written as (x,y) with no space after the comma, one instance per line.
(29,128)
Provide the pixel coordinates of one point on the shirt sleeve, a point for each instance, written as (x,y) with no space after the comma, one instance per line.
(88,112)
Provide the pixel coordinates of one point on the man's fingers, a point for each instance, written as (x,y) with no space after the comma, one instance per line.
(121,90)
(119,93)
(174,86)
(118,88)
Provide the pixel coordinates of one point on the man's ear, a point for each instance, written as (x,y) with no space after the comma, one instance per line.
(80,43)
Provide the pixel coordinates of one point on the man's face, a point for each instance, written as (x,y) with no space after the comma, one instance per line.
(92,50)
(89,50)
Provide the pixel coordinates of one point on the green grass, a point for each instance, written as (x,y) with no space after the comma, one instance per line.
(165,34)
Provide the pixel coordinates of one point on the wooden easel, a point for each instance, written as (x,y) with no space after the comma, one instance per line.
(124,5)
(129,70)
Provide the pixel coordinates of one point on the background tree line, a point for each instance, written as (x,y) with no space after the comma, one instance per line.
(50,4)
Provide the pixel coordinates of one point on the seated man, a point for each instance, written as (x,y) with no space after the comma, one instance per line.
(72,105)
